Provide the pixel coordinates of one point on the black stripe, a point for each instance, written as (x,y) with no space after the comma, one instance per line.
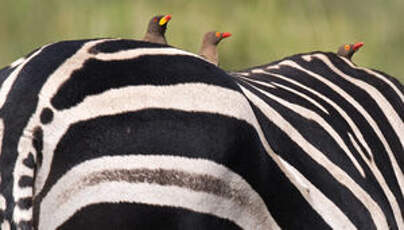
(392,79)
(29,161)
(46,116)
(25,203)
(4,73)
(24,225)
(114,46)
(26,181)
(98,76)
(37,140)
(141,216)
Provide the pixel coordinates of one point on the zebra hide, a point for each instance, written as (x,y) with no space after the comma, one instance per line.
(124,134)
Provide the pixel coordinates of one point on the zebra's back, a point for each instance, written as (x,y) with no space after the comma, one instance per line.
(127,134)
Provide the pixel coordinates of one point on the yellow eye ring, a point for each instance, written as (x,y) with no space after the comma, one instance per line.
(218,34)
(347,47)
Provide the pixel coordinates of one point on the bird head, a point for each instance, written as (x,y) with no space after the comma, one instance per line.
(158,24)
(348,50)
(214,37)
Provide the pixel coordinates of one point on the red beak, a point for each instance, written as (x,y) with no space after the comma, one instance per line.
(226,35)
(168,17)
(357,45)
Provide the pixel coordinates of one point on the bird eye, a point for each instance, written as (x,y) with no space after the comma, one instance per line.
(346,47)
(218,34)
(155,20)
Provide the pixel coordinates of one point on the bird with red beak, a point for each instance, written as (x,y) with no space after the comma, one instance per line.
(156,29)
(208,48)
(348,50)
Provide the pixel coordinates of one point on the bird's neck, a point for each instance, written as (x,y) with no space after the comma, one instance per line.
(155,38)
(209,52)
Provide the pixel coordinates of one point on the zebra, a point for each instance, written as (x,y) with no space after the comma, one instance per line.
(123,134)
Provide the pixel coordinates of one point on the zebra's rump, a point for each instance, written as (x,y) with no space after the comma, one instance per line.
(127,134)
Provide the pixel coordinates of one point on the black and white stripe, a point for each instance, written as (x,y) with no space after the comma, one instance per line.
(123,134)
(344,118)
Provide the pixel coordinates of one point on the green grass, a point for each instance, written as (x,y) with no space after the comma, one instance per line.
(263,30)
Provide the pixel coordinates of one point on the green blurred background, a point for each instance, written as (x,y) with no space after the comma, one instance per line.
(263,30)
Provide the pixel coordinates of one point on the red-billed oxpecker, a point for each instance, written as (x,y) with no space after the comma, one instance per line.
(208,48)
(156,30)
(348,50)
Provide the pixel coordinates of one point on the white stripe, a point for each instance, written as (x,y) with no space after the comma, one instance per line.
(2,199)
(22,214)
(318,201)
(391,114)
(355,144)
(307,58)
(272,67)
(397,171)
(262,71)
(3,204)
(266,84)
(244,73)
(60,204)
(310,115)
(17,62)
(134,53)
(5,225)
(1,138)
(339,175)
(8,83)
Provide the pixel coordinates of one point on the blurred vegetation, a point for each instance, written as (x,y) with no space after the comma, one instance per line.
(263,30)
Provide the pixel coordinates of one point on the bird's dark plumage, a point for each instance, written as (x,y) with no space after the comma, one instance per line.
(156,29)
